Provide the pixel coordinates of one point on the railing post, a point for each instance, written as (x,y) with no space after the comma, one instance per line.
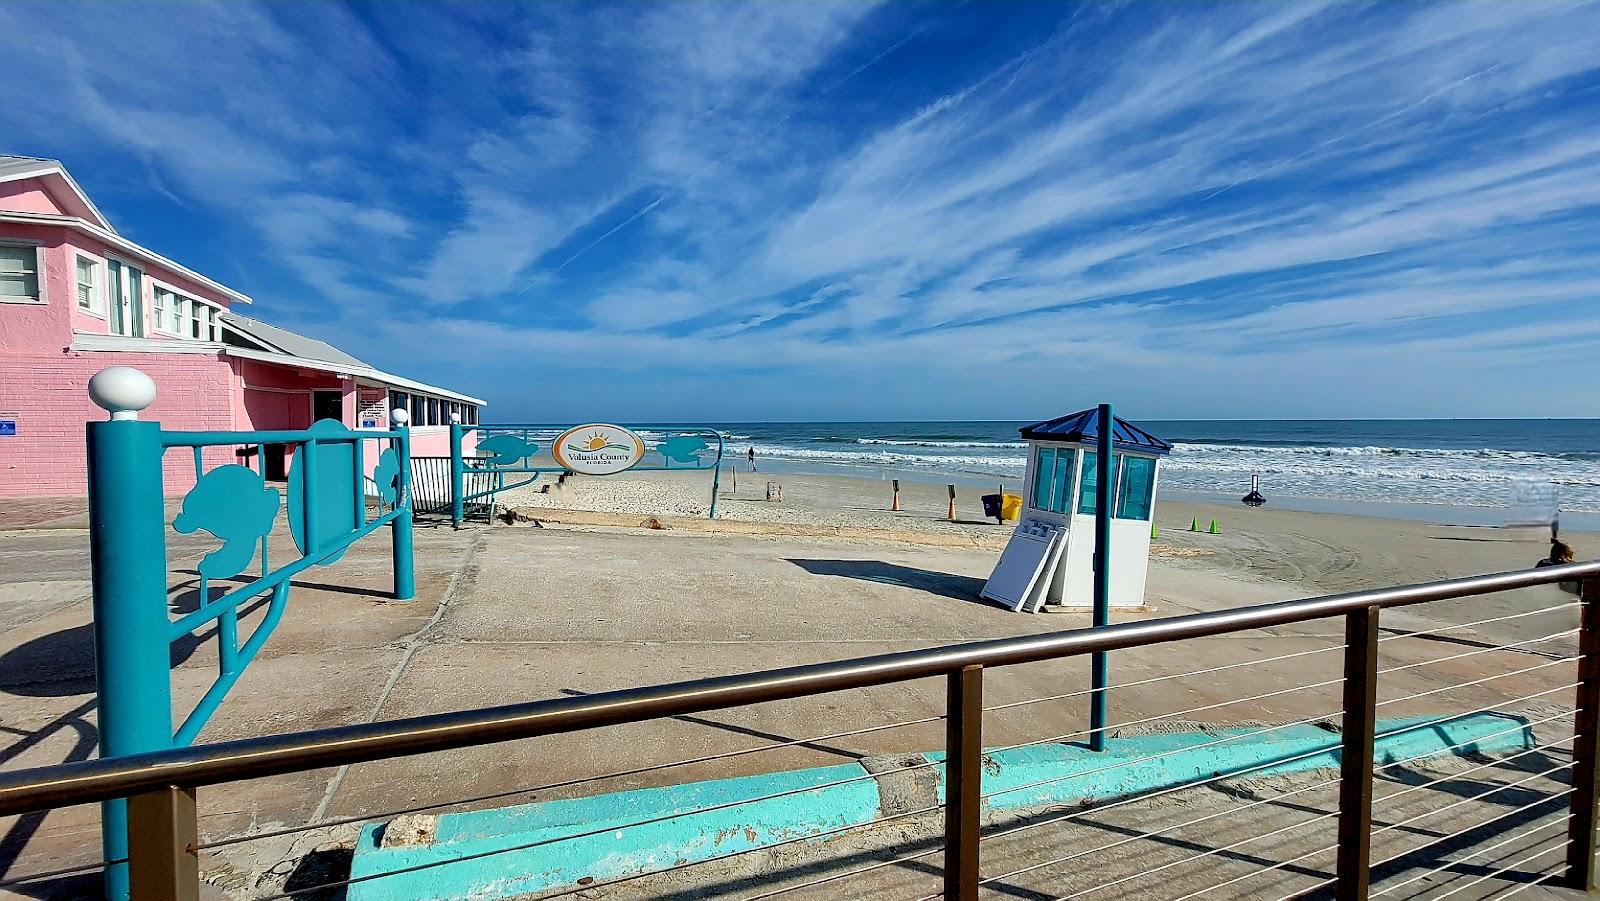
(128,572)
(458,504)
(1586,760)
(1099,662)
(400,529)
(963,782)
(163,863)
(1355,756)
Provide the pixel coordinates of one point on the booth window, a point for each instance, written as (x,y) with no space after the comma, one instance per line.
(1052,485)
(1090,480)
(1138,488)
(1044,468)
(1062,501)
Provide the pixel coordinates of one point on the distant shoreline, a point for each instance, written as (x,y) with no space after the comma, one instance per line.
(1439,514)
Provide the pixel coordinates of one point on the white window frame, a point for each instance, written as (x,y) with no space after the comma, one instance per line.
(146,295)
(158,311)
(188,303)
(97,294)
(38,272)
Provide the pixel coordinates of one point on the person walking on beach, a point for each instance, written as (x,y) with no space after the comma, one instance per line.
(752,458)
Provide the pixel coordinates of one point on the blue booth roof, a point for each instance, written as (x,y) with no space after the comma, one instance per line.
(1084,427)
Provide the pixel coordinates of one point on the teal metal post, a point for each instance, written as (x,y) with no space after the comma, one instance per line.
(405,587)
(716,475)
(127,560)
(1099,665)
(458,503)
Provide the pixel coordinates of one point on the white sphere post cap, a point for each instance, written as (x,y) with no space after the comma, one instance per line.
(399,416)
(122,391)
(455,418)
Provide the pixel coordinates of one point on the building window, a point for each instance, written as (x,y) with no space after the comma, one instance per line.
(171,308)
(1090,481)
(184,317)
(1137,488)
(90,296)
(1052,486)
(19,273)
(199,321)
(1044,468)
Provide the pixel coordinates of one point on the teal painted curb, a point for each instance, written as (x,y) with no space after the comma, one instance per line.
(1076,775)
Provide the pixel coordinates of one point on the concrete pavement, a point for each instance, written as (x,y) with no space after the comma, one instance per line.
(515,614)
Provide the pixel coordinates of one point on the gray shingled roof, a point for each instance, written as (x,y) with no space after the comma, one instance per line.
(10,163)
(285,341)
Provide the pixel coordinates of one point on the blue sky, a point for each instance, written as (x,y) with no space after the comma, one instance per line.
(914,210)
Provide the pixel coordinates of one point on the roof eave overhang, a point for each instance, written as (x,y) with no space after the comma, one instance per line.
(351,370)
(124,245)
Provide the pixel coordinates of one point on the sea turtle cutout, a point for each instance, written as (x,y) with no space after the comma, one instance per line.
(682,449)
(332,508)
(233,504)
(506,450)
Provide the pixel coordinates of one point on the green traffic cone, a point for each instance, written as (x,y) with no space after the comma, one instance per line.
(1194,524)
(1214,530)
(1154,532)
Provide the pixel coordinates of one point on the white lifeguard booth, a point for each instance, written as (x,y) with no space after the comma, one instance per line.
(1049,560)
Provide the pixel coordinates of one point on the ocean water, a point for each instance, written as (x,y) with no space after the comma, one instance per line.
(1467,463)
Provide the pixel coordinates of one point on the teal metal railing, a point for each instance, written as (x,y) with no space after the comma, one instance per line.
(526,449)
(134,629)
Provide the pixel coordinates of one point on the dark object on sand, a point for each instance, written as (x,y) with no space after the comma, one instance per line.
(1255,498)
(991,506)
(1560,555)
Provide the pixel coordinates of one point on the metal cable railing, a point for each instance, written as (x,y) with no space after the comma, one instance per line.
(1234,810)
(1440,630)
(774,796)
(510,793)
(1231,811)
(1477,852)
(160,783)
(1166,678)
(553,786)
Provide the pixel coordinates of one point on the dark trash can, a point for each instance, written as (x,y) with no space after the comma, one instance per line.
(991,505)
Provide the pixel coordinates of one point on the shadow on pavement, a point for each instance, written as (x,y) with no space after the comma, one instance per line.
(962,588)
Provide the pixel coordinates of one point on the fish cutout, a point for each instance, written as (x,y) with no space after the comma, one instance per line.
(682,449)
(233,504)
(506,450)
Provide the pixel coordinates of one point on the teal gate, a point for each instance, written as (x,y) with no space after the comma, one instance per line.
(531,450)
(328,489)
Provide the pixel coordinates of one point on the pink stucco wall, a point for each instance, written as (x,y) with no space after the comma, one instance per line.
(45,194)
(28,195)
(47,396)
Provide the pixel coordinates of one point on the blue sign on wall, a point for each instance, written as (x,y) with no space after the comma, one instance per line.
(8,428)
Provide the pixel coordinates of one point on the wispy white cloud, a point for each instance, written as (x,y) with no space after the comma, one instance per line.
(970,204)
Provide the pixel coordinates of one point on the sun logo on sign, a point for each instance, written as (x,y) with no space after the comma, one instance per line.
(595,442)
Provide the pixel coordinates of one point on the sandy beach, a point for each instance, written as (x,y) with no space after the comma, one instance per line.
(1302,552)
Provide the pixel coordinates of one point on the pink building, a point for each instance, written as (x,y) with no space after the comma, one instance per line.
(76,297)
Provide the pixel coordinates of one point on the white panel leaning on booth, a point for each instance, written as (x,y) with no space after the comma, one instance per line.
(1049,560)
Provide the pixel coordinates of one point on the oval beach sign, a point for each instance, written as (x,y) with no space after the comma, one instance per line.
(597,449)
